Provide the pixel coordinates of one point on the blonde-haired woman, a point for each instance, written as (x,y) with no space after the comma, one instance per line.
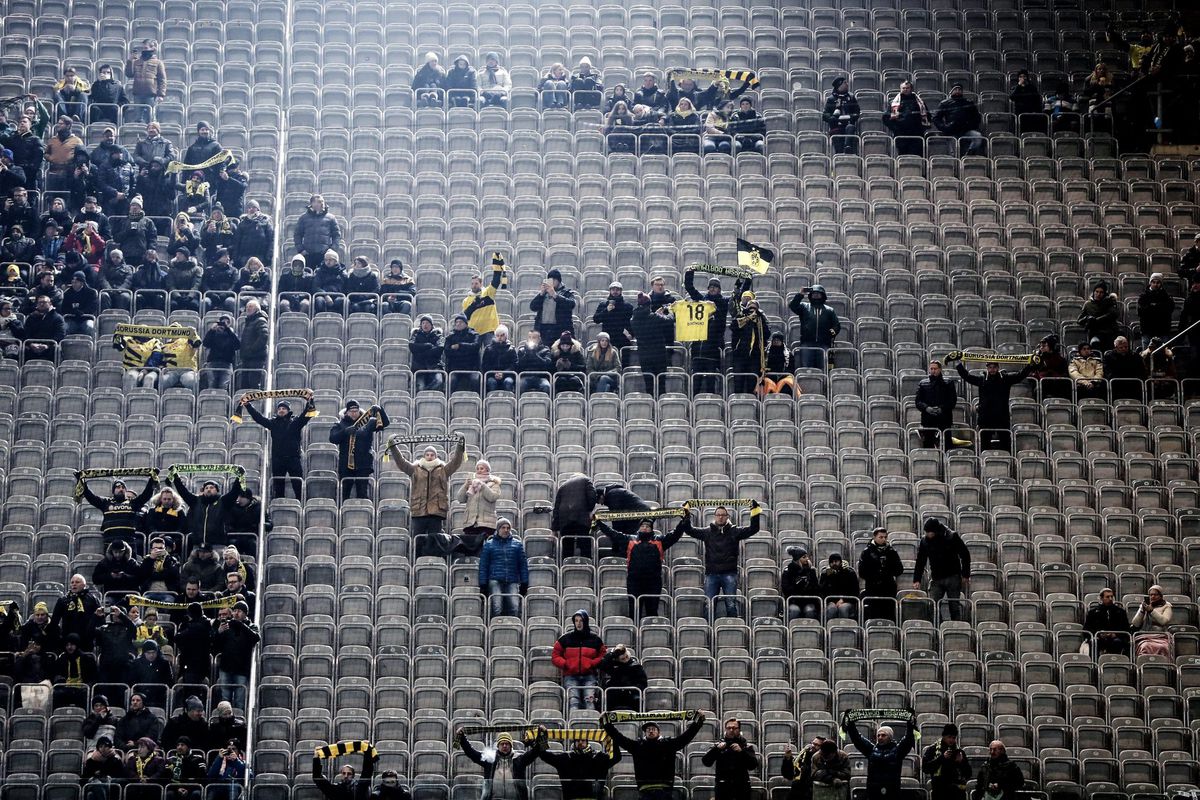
(183,235)
(480,494)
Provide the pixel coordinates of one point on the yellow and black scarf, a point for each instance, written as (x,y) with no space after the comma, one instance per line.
(703,73)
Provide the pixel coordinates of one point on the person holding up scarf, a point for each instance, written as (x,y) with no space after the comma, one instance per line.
(429,500)
(355,436)
(885,758)
(654,755)
(287,434)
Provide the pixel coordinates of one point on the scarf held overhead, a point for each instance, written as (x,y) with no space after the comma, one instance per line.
(528,733)
(254,397)
(131,472)
(704,73)
(716,269)
(209,469)
(994,357)
(164,605)
(346,748)
(613,717)
(874,714)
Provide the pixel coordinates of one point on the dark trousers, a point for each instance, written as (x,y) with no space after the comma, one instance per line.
(576,541)
(356,485)
(282,468)
(645,605)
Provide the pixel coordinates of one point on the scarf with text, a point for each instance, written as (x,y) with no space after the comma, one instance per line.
(164,605)
(129,472)
(430,438)
(994,357)
(528,734)
(717,269)
(254,397)
(208,469)
(875,714)
(704,73)
(613,717)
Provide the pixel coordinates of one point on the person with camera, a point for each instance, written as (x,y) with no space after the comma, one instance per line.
(999,778)
(799,586)
(946,767)
(553,308)
(733,760)
(228,773)
(622,679)
(841,116)
(234,641)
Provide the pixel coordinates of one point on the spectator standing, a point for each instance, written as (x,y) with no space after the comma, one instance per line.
(254,237)
(623,680)
(499,363)
(839,586)
(654,331)
(571,517)
(233,644)
(61,154)
(617,498)
(229,188)
(799,585)
(959,117)
(554,308)
(992,411)
(722,546)
(148,76)
(317,231)
(287,436)
(493,82)
(503,772)
(841,115)
(1100,317)
(733,760)
(798,769)
(1027,104)
(429,82)
(831,772)
(106,97)
(654,756)
(28,151)
(221,345)
(255,341)
(885,758)
(479,305)
(946,767)
(1189,262)
(936,399)
(998,777)
(706,354)
(879,566)
(1108,623)
(480,494)
(613,315)
(208,511)
(819,326)
(581,769)
(1087,370)
(577,655)
(644,556)
(504,571)
(949,565)
(908,120)
(1156,308)
(347,787)
(193,646)
(355,438)
(429,497)
(425,355)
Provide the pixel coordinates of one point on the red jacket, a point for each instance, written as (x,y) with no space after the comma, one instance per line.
(578,652)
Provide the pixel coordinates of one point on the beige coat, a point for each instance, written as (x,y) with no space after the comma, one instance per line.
(148,76)
(481,506)
(430,496)
(1086,369)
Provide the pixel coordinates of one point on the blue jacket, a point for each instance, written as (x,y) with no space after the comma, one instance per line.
(503,560)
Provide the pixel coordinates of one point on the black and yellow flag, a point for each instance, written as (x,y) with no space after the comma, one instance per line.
(753,257)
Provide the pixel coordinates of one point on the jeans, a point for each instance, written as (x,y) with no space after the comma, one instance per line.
(581,691)
(233,687)
(176,378)
(951,589)
(85,326)
(718,144)
(430,381)
(811,356)
(145,114)
(504,599)
(605,382)
(722,583)
(535,383)
(847,610)
(803,609)
(555,94)
(464,383)
(505,383)
(216,375)
(843,138)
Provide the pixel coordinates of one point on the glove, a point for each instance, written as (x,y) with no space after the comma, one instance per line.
(953,355)
(933,410)
(78,474)
(755,508)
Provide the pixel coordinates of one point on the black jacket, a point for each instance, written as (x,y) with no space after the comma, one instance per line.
(158,671)
(722,543)
(234,647)
(654,97)
(287,433)
(357,789)
(117,573)
(256,333)
(466,357)
(316,233)
(819,323)
(114,643)
(653,333)
(946,554)
(643,557)
(838,105)
(936,393)
(798,581)
(112,768)
(207,515)
(993,394)
(534,359)
(152,571)
(291,283)
(120,517)
(219,278)
(654,761)
(83,302)
(879,567)
(498,357)
(956,116)
(254,236)
(838,583)
(1101,618)
(623,683)
(356,458)
(134,237)
(1127,365)
(617,498)
(361,284)
(75,613)
(614,322)
(581,773)
(1005,774)
(221,345)
(564,309)
(573,505)
(135,725)
(193,646)
(946,778)
(230,192)
(38,327)
(714,344)
(1155,309)
(884,762)
(425,349)
(732,770)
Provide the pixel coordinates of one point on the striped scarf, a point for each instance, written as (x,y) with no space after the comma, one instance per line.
(346,748)
(128,472)
(744,75)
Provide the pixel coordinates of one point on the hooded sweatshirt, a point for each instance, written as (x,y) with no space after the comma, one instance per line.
(578,652)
